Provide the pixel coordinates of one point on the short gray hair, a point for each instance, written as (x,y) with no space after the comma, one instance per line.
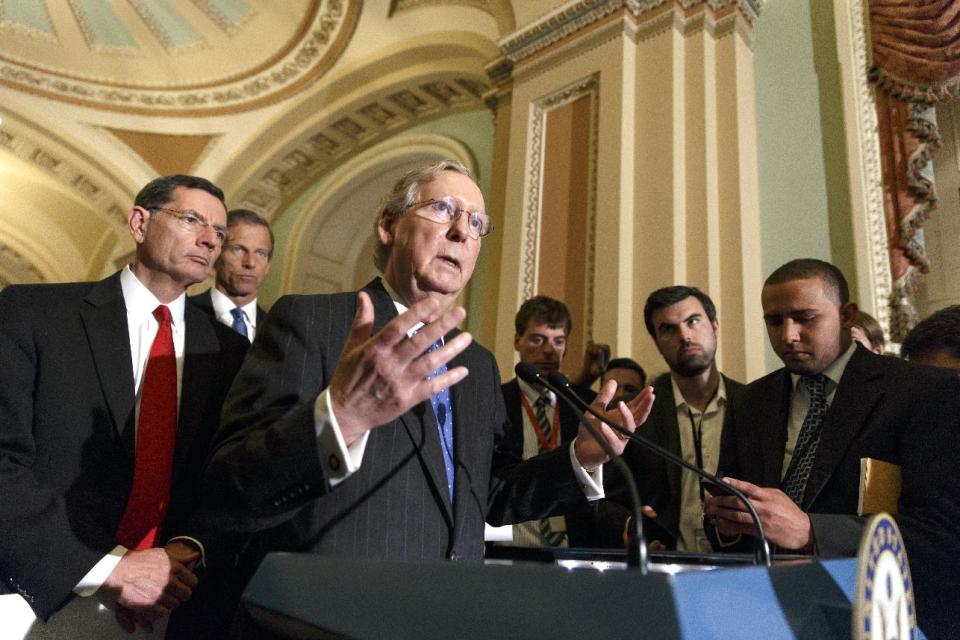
(404,194)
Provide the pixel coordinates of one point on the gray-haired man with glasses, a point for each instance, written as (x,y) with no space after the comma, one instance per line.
(366,425)
(110,394)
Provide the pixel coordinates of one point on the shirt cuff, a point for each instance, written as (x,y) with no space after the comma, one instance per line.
(590,482)
(337,460)
(95,578)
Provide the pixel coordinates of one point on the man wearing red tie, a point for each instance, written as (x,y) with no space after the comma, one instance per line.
(110,392)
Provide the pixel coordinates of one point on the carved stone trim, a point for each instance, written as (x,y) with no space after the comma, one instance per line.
(580,14)
(530,224)
(351,130)
(872,170)
(322,43)
(72,174)
(15,269)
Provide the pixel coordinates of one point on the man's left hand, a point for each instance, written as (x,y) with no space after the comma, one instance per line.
(784,523)
(589,452)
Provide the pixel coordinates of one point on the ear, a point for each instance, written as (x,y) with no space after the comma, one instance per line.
(848,313)
(137,223)
(716,325)
(385,228)
(516,341)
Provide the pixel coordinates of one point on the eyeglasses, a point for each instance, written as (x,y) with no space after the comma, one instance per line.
(194,223)
(446,210)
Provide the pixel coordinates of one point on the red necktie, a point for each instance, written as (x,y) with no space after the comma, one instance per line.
(156,433)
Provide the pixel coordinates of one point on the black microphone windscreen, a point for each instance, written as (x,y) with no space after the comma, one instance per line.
(527,372)
(557,379)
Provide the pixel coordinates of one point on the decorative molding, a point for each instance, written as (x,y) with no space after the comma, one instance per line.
(687,15)
(15,269)
(530,224)
(501,10)
(353,130)
(879,258)
(71,174)
(314,53)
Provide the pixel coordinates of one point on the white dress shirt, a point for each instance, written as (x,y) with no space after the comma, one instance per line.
(708,425)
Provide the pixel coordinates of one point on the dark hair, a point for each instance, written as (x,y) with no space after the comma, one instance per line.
(940,330)
(628,363)
(159,191)
(871,328)
(404,194)
(543,309)
(245,216)
(803,268)
(669,296)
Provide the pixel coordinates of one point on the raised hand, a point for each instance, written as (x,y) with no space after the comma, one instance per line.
(588,451)
(380,377)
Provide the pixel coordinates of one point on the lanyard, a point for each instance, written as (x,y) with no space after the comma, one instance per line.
(545,445)
(696,429)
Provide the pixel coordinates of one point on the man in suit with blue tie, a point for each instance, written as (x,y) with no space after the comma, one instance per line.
(240,269)
(110,394)
(365,425)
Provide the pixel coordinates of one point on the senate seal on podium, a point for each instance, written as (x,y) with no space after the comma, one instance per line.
(883,601)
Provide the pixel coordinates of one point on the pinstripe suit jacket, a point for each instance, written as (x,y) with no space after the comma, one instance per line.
(266,475)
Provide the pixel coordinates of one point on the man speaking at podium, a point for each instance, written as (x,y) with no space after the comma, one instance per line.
(365,425)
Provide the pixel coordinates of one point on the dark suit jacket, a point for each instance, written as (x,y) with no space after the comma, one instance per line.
(582,521)
(204,301)
(883,408)
(266,474)
(67,433)
(658,480)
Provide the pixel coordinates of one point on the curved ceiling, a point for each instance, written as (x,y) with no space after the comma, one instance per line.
(166,57)
(263,97)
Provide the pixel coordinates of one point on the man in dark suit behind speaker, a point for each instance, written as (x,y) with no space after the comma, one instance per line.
(109,395)
(687,418)
(365,425)
(797,436)
(538,421)
(240,269)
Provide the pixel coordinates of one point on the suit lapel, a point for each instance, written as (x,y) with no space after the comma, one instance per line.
(773,441)
(200,361)
(105,322)
(670,437)
(419,422)
(856,396)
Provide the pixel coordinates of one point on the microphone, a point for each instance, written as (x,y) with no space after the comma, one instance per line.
(637,544)
(558,381)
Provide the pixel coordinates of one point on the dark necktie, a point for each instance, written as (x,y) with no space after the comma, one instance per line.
(540,409)
(156,434)
(805,451)
(550,537)
(443,411)
(238,321)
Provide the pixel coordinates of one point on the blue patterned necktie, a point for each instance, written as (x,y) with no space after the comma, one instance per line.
(805,451)
(239,325)
(443,412)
